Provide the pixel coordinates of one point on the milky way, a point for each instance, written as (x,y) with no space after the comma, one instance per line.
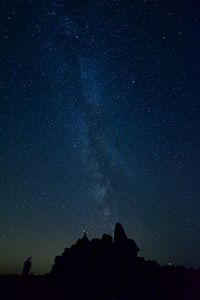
(92,142)
(99,124)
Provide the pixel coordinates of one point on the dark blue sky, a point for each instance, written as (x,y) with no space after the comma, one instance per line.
(99,120)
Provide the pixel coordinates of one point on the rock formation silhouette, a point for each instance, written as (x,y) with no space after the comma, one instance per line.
(102,253)
(105,269)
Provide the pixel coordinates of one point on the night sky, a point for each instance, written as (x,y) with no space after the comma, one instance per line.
(99,123)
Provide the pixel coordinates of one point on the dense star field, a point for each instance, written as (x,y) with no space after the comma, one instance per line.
(99,120)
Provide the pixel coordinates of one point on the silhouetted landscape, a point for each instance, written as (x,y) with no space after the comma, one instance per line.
(103,268)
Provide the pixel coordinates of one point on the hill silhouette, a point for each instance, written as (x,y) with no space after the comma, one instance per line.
(103,268)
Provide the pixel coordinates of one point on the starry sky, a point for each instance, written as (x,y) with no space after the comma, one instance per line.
(99,123)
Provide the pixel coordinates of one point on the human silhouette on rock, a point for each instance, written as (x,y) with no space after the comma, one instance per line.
(27,267)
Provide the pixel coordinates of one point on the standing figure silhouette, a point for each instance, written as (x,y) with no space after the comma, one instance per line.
(26,267)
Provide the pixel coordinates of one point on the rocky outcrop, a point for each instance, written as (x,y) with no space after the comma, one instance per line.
(91,259)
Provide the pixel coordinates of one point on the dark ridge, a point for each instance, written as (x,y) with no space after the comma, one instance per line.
(103,269)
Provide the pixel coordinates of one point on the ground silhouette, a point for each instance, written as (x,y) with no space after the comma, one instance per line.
(104,269)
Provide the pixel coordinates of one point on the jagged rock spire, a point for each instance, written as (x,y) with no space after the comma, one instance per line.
(119,234)
(84,236)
